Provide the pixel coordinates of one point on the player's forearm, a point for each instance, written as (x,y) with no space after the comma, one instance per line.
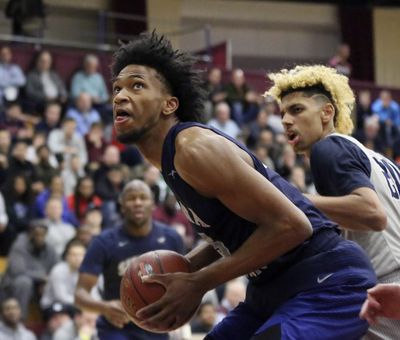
(202,256)
(351,212)
(264,246)
(84,301)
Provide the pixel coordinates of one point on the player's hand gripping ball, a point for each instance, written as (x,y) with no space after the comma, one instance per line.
(135,294)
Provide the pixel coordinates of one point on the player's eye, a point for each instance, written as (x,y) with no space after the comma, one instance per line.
(137,86)
(116,89)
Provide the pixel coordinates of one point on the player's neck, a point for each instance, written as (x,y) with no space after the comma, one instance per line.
(139,231)
(151,146)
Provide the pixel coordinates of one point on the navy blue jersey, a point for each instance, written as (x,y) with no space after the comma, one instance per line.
(347,170)
(228,231)
(110,252)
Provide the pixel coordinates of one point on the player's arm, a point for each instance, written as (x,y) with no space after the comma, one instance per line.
(217,168)
(202,256)
(360,210)
(112,310)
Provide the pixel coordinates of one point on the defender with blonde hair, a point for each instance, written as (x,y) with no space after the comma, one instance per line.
(359,188)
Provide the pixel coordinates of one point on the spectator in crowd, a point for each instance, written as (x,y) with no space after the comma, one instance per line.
(83,113)
(43,84)
(11,326)
(298,179)
(71,175)
(18,165)
(83,198)
(388,112)
(286,162)
(274,117)
(55,190)
(44,169)
(82,327)
(223,122)
(255,127)
(4,238)
(18,205)
(363,108)
(39,139)
(242,100)
(30,260)
(215,90)
(90,80)
(110,253)
(55,317)
(152,177)
(12,79)
(59,232)
(168,213)
(5,144)
(95,146)
(261,151)
(340,61)
(51,118)
(235,292)
(370,135)
(13,118)
(110,158)
(61,284)
(67,142)
(205,319)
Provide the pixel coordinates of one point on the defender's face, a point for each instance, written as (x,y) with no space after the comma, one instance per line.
(139,97)
(137,205)
(301,118)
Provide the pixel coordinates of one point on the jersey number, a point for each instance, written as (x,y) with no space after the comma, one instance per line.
(392,175)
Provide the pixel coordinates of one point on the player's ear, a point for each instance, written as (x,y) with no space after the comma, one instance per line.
(170,106)
(328,112)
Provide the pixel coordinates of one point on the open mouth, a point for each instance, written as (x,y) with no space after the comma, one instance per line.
(121,116)
(293,138)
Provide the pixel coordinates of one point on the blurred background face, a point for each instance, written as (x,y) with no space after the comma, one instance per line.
(238,78)
(151,175)
(57,186)
(38,237)
(19,151)
(69,127)
(111,156)
(214,76)
(5,55)
(11,312)
(19,185)
(53,114)
(54,209)
(344,51)
(207,314)
(364,98)
(14,112)
(91,64)
(137,204)
(84,102)
(86,187)
(5,139)
(222,112)
(75,256)
(386,98)
(44,62)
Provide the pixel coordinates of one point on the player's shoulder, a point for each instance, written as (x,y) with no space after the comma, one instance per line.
(336,145)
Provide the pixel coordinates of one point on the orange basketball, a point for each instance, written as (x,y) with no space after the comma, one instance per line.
(135,294)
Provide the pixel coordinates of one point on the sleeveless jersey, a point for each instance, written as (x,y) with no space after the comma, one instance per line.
(355,166)
(224,229)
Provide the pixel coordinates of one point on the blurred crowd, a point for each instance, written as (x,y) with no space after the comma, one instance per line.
(62,171)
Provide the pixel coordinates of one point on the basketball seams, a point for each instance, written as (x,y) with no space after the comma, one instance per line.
(159,262)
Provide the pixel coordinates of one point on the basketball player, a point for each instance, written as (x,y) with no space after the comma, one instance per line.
(306,282)
(109,254)
(359,188)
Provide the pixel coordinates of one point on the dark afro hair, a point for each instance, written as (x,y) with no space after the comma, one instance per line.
(174,67)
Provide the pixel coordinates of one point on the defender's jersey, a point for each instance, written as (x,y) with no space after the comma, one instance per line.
(354,166)
(110,253)
(223,228)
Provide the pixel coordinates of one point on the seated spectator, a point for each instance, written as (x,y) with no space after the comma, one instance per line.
(94,219)
(83,198)
(287,162)
(11,326)
(61,284)
(71,175)
(261,151)
(44,169)
(340,61)
(43,84)
(83,113)
(110,158)
(298,179)
(242,100)
(67,142)
(59,232)
(12,78)
(5,239)
(18,209)
(205,318)
(95,146)
(274,116)
(363,108)
(30,260)
(215,90)
(56,189)
(83,326)
(169,214)
(18,165)
(12,119)
(235,292)
(388,112)
(39,139)
(223,122)
(370,135)
(51,118)
(5,147)
(152,177)
(255,127)
(55,317)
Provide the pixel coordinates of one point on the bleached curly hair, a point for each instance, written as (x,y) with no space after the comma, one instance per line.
(303,77)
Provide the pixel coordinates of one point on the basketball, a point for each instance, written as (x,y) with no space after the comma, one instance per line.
(135,294)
